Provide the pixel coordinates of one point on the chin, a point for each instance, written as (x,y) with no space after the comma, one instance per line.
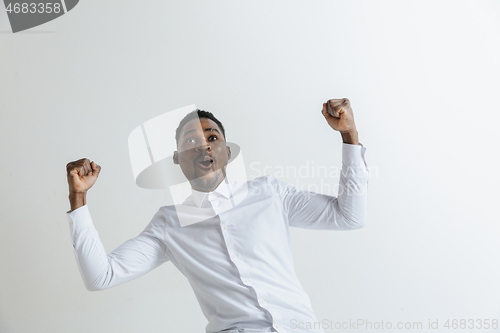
(207,183)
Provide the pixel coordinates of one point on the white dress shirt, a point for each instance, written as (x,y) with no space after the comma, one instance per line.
(238,261)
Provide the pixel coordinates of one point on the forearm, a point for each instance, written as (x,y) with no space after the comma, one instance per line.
(353,186)
(90,254)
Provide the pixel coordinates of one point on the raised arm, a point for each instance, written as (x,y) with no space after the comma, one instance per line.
(130,260)
(347,211)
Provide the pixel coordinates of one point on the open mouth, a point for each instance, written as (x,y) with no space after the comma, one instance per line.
(206,162)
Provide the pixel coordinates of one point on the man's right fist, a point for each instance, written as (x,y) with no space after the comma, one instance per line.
(82,174)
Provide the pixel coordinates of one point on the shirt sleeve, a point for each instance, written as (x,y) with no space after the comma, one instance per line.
(130,260)
(311,210)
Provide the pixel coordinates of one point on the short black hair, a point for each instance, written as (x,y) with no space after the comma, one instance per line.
(196,114)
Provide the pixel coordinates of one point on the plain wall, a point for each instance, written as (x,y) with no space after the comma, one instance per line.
(423,80)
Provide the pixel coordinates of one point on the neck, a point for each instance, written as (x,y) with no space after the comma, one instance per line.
(208,188)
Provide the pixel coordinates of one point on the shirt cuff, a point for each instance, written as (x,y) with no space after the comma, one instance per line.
(80,217)
(353,154)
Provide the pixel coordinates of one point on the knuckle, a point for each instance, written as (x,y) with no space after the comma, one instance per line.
(71,166)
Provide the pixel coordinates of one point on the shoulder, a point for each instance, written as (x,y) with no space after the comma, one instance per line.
(266,179)
(270,183)
(166,213)
(162,218)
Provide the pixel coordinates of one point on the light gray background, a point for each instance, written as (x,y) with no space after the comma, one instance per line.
(423,78)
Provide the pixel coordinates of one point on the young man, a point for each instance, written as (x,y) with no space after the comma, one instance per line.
(238,259)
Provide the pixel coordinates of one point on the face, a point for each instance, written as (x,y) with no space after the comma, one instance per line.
(202,154)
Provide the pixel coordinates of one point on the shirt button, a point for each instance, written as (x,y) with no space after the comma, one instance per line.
(224,227)
(262,302)
(247,281)
(234,256)
(277,325)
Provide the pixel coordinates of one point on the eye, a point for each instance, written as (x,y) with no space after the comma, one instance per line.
(189,140)
(213,138)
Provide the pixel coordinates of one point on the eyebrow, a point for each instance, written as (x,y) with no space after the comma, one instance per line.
(208,129)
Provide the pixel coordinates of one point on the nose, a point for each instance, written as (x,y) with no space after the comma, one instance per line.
(204,146)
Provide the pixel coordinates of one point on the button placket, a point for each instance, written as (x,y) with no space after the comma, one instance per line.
(232,254)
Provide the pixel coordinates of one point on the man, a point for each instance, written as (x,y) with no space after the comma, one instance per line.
(238,260)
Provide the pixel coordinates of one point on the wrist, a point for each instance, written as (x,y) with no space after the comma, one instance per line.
(77,199)
(350,137)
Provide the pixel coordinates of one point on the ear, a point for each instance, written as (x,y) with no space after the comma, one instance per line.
(175,158)
(228,153)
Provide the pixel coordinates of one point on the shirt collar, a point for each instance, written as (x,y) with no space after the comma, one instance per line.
(221,190)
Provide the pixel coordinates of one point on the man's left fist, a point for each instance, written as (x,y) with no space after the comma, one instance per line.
(338,113)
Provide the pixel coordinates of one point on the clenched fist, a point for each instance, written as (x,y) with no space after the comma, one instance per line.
(338,114)
(82,174)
